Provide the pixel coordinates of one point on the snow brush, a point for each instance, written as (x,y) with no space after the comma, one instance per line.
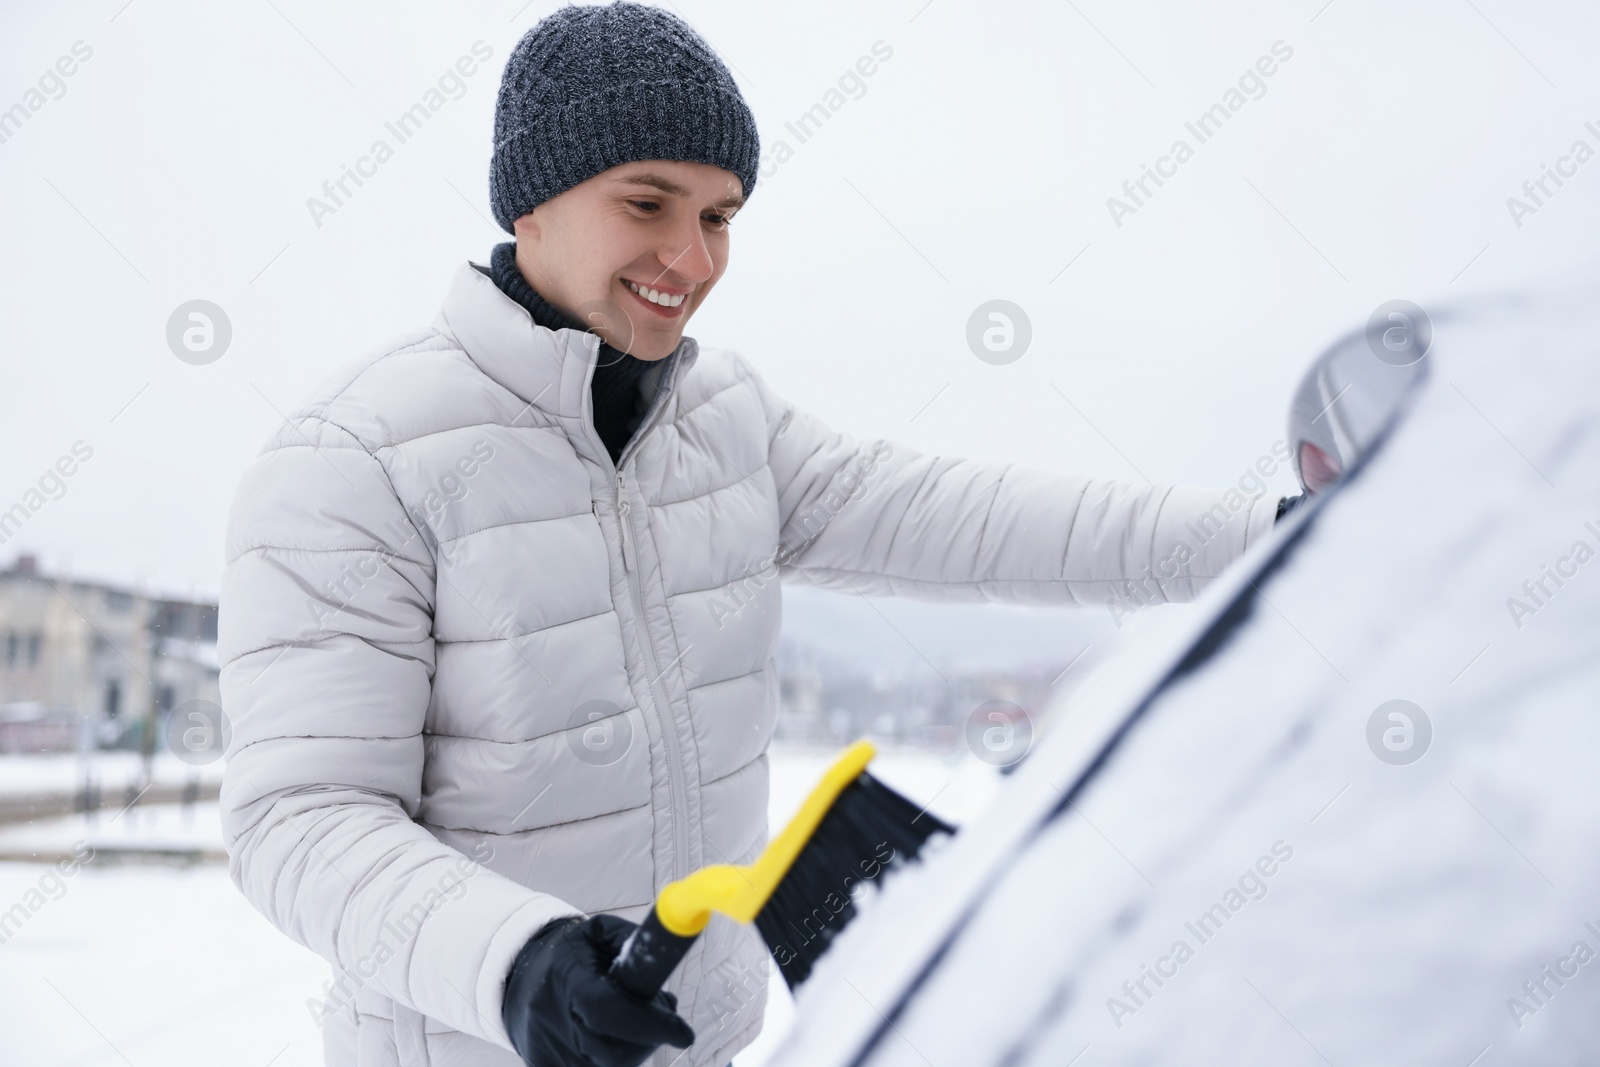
(799,891)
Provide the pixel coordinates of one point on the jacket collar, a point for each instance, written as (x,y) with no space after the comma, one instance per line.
(548,369)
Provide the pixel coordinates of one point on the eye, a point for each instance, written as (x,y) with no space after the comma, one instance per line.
(642,204)
(720,221)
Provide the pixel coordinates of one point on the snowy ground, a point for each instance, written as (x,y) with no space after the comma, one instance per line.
(161,964)
(118,831)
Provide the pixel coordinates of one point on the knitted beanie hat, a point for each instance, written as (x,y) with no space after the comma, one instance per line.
(593,87)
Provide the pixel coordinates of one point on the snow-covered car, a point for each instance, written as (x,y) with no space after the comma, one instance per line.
(1344,813)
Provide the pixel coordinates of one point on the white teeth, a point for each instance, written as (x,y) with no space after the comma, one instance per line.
(664,299)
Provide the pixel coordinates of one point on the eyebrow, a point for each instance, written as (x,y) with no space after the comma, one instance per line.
(672,188)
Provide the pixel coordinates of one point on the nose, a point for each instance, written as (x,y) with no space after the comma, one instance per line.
(684,254)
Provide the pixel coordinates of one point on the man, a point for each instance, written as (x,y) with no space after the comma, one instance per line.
(499,613)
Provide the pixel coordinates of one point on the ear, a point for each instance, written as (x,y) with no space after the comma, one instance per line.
(526,227)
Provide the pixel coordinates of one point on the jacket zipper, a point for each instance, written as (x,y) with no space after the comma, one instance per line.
(662,708)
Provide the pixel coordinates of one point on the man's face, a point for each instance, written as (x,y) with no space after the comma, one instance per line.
(597,249)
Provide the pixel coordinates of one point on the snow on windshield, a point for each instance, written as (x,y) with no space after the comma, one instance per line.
(1362,831)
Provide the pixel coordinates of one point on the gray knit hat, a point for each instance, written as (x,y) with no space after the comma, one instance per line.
(590,88)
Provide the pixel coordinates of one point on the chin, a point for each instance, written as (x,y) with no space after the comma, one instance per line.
(657,347)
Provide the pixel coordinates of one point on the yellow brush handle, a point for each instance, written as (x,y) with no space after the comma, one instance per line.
(685,906)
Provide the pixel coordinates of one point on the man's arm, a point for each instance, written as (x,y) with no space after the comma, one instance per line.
(325,640)
(878,517)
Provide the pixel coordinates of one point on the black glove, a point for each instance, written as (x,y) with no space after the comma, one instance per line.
(562,1011)
(1286,505)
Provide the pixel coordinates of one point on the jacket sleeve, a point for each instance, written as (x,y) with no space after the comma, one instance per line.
(326,652)
(876,517)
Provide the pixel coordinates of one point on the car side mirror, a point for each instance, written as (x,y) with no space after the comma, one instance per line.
(1353,392)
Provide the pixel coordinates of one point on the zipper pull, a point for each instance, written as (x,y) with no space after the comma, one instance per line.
(627,526)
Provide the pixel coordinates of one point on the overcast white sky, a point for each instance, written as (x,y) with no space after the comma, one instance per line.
(975,165)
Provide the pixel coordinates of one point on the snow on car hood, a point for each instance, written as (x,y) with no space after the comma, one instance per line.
(1228,849)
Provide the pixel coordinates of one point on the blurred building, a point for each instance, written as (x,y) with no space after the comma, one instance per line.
(95,665)
(823,701)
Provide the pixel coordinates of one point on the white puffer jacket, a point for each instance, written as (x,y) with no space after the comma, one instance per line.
(478,677)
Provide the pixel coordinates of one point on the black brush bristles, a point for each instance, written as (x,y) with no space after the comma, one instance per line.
(869,829)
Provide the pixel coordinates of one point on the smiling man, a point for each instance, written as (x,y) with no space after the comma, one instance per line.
(486,690)
(593,250)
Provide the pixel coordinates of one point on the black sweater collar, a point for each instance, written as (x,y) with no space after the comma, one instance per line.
(619,402)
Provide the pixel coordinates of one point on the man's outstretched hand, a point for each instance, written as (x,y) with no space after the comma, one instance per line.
(560,1008)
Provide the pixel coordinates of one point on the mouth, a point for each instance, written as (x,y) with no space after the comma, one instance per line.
(665,303)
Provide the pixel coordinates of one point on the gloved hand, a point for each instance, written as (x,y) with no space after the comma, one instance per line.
(560,1008)
(1286,505)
